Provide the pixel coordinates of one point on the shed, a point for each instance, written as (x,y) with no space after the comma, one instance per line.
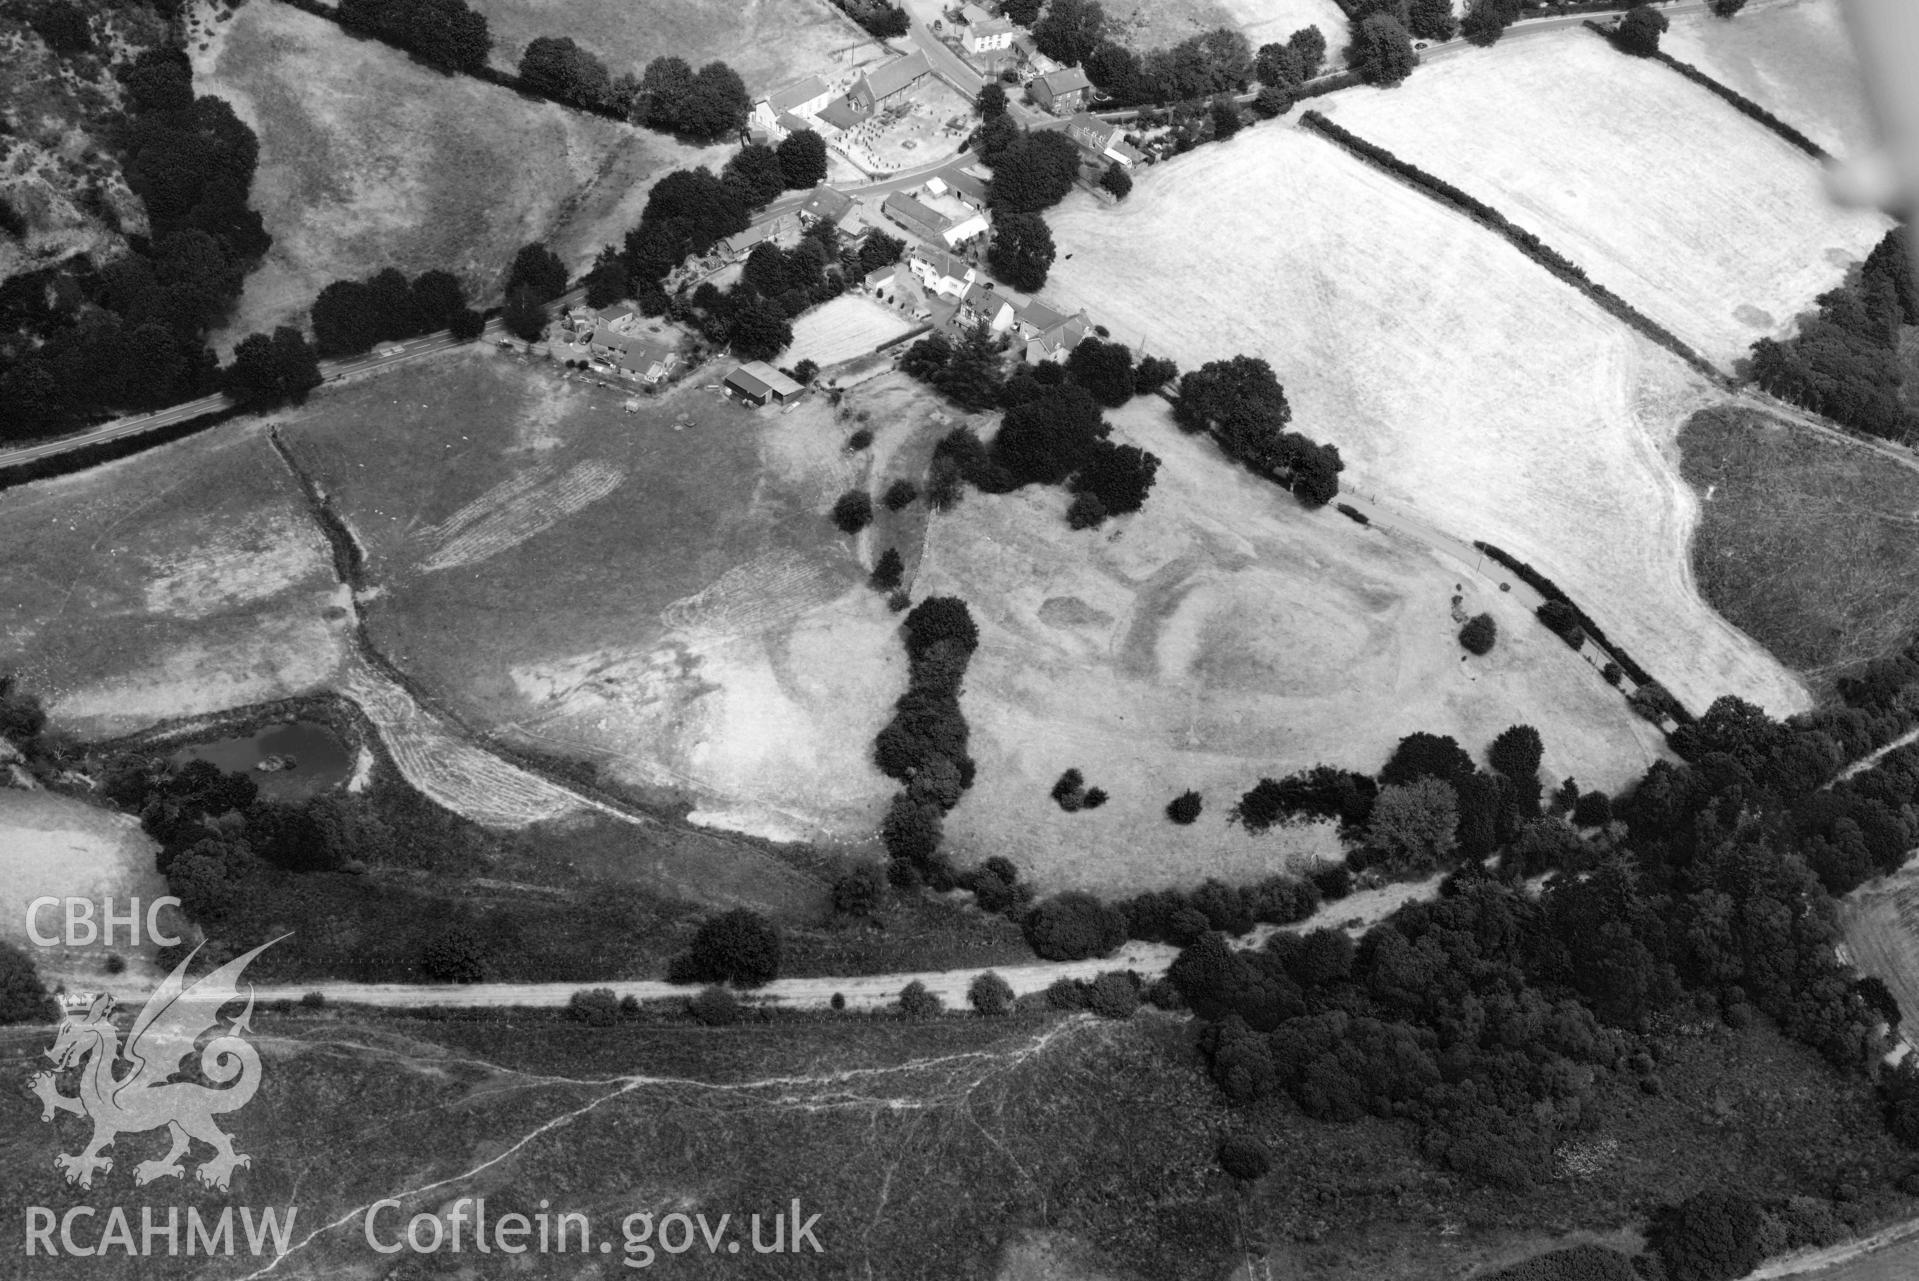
(757,382)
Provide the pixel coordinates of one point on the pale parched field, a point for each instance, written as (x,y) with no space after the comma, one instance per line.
(769,42)
(1457,378)
(1221,635)
(182,581)
(1792,57)
(1704,220)
(848,326)
(368,160)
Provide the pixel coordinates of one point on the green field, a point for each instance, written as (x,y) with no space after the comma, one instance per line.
(1805,542)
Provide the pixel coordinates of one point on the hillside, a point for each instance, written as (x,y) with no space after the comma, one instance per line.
(56,170)
(1457,378)
(369,159)
(1701,218)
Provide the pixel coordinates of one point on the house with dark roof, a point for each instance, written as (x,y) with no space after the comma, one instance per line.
(840,115)
(1061,92)
(964,186)
(757,382)
(741,243)
(927,224)
(877,88)
(982,303)
(825,205)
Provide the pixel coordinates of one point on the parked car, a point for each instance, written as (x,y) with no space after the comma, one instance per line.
(389,349)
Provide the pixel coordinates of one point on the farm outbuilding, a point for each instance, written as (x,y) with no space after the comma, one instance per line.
(757,382)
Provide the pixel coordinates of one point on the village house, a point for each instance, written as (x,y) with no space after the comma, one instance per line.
(1026,51)
(757,382)
(878,88)
(825,205)
(981,303)
(789,110)
(1061,92)
(940,273)
(1049,335)
(779,229)
(1103,141)
(984,32)
(636,357)
(881,278)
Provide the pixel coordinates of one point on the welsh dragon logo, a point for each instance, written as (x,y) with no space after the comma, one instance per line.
(144,1098)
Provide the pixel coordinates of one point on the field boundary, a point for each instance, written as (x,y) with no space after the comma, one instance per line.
(1444,193)
(503,79)
(68,461)
(1739,101)
(1553,591)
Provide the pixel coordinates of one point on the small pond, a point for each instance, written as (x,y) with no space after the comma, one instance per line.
(310,759)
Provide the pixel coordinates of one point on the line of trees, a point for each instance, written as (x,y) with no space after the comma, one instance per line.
(1844,361)
(350,316)
(1240,403)
(1525,241)
(443,33)
(707,105)
(1744,105)
(924,745)
(81,340)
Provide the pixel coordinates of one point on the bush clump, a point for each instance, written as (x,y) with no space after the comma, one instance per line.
(1073,926)
(990,995)
(1184,808)
(739,946)
(1479,634)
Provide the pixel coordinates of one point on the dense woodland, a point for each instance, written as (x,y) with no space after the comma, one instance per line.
(1844,360)
(85,339)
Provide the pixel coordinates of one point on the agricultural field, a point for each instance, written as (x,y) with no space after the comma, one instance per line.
(1805,539)
(1143,25)
(851,325)
(1539,423)
(368,159)
(180,582)
(1220,635)
(1792,57)
(657,592)
(769,42)
(1703,219)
